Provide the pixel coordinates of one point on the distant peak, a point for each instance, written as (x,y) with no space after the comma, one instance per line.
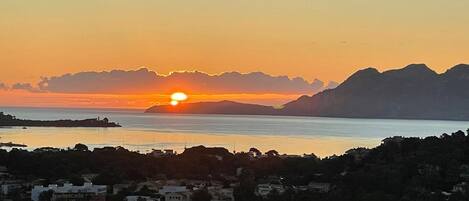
(417,67)
(412,70)
(458,69)
(369,69)
(459,66)
(365,72)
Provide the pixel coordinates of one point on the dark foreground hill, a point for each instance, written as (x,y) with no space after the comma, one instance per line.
(399,169)
(413,92)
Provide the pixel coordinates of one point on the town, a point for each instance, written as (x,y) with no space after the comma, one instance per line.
(432,168)
(82,188)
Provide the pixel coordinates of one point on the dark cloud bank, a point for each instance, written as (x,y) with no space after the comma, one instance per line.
(145,81)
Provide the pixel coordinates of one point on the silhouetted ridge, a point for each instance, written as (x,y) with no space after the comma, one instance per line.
(458,71)
(414,92)
(221,107)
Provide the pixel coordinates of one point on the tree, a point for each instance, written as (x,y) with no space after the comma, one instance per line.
(272,153)
(77,180)
(107,178)
(201,195)
(247,185)
(256,152)
(46,195)
(141,199)
(80,147)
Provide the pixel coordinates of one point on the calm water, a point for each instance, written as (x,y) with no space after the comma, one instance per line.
(293,135)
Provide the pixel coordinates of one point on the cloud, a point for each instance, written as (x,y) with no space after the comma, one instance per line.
(25,87)
(331,85)
(146,81)
(3,86)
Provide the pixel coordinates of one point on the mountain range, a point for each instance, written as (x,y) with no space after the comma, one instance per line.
(412,92)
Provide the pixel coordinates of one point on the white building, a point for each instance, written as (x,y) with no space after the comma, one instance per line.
(179,196)
(69,190)
(175,193)
(140,198)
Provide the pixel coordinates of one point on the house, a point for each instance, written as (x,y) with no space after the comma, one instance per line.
(169,152)
(150,185)
(461,187)
(177,196)
(140,198)
(89,177)
(319,187)
(157,153)
(116,188)
(8,188)
(175,193)
(160,153)
(87,192)
(265,189)
(172,189)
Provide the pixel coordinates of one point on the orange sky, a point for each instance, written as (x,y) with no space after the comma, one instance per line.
(325,39)
(19,98)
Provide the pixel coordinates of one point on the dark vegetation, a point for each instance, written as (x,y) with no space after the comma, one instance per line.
(9,120)
(408,169)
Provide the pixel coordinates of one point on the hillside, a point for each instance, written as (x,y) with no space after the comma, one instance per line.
(414,92)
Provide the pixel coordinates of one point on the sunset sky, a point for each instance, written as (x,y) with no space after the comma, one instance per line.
(323,39)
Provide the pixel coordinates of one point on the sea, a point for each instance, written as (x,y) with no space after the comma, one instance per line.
(288,135)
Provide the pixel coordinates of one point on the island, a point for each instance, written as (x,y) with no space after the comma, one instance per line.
(7,120)
(221,107)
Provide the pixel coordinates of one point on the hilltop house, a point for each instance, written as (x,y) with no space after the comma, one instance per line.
(87,192)
(175,193)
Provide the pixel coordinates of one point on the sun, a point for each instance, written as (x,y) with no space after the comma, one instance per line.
(174,103)
(177,97)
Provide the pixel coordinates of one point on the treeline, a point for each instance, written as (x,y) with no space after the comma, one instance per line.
(432,168)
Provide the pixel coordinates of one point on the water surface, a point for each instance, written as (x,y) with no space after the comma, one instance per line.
(144,132)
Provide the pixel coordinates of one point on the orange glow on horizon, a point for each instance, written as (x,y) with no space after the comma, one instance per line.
(35,43)
(18,98)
